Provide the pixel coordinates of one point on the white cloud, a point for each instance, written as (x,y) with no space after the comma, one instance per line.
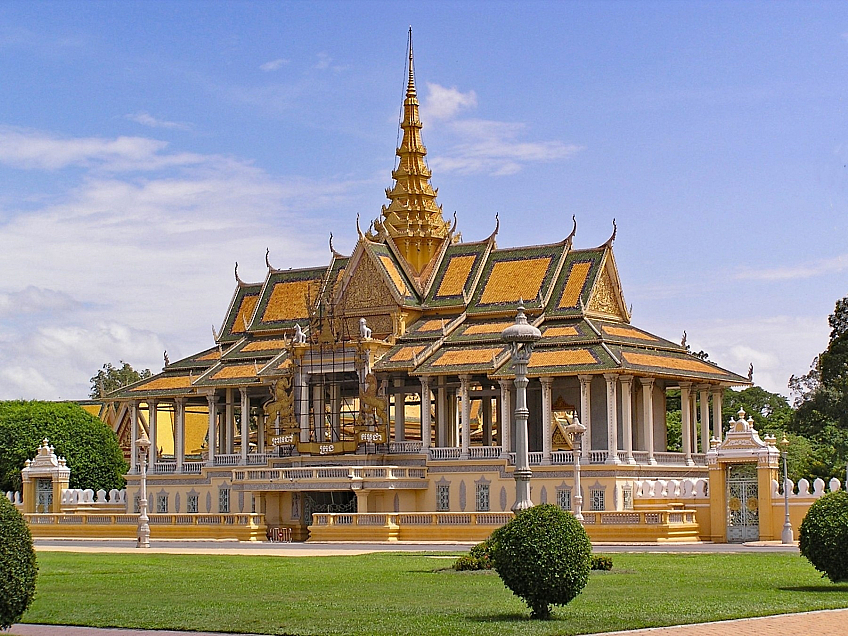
(122,265)
(445,103)
(778,346)
(273,65)
(146,119)
(32,149)
(481,145)
(799,271)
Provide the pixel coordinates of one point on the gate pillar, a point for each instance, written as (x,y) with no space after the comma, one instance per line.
(742,445)
(44,478)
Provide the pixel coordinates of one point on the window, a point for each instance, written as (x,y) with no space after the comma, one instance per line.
(627,496)
(563,498)
(191,503)
(162,503)
(596,496)
(482,497)
(443,498)
(224,501)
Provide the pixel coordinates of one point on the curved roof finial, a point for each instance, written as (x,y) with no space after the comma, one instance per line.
(267,262)
(358,231)
(453,229)
(611,238)
(238,280)
(333,249)
(570,237)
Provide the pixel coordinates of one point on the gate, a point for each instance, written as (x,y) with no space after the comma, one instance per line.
(43,494)
(743,508)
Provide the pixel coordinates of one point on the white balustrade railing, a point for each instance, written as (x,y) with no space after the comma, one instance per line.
(15,498)
(193,468)
(241,519)
(445,452)
(163,468)
(400,519)
(227,460)
(327,473)
(88,497)
(804,488)
(687,488)
(598,456)
(405,448)
(561,458)
(484,452)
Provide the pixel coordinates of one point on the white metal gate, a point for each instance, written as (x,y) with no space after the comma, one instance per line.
(43,494)
(743,507)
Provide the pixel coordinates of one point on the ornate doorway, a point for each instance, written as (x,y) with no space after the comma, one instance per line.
(743,507)
(43,494)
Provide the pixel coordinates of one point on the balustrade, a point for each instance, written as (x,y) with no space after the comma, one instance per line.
(324,473)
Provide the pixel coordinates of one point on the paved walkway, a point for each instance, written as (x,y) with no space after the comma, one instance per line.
(823,623)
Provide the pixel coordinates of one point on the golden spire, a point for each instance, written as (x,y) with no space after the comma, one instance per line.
(413,218)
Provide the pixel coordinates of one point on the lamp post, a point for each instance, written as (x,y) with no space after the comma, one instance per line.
(786,536)
(142,448)
(576,430)
(521,337)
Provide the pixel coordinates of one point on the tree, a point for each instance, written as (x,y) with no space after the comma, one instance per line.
(770,411)
(822,398)
(18,568)
(824,534)
(543,555)
(111,378)
(91,448)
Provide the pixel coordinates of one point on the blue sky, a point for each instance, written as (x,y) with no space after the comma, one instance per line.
(145,147)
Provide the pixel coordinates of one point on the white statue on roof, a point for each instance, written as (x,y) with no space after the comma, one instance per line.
(364,329)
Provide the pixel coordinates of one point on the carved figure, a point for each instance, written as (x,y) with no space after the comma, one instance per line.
(283,402)
(751,372)
(373,408)
(683,341)
(364,329)
(299,336)
(167,360)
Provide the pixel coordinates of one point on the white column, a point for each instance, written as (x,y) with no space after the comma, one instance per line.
(486,409)
(336,410)
(693,417)
(627,416)
(426,442)
(586,412)
(179,433)
(260,430)
(441,414)
(612,418)
(717,397)
(464,381)
(400,411)
(245,425)
(133,436)
(505,419)
(648,416)
(546,420)
(152,406)
(685,424)
(705,418)
(303,400)
(227,428)
(212,403)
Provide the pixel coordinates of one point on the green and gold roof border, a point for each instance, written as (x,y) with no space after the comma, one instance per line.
(295,286)
(241,310)
(574,285)
(471,254)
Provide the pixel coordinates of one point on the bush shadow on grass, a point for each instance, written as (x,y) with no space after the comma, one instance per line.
(503,618)
(841,587)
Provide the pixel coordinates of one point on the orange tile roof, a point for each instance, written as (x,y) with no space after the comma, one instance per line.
(456,274)
(574,285)
(561,358)
(235,371)
(663,362)
(212,355)
(394,274)
(265,345)
(406,353)
(510,281)
(490,327)
(431,325)
(245,313)
(453,357)
(172,382)
(287,301)
(626,332)
(554,332)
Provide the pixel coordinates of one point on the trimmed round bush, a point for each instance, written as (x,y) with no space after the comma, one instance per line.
(824,536)
(543,556)
(17,565)
(478,558)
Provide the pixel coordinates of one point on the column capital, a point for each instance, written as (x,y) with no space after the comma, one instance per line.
(647,382)
(180,400)
(626,379)
(585,379)
(425,381)
(211,398)
(243,390)
(685,385)
(546,380)
(465,378)
(717,390)
(504,384)
(611,377)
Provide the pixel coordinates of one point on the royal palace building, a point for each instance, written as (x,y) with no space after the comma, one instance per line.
(373,397)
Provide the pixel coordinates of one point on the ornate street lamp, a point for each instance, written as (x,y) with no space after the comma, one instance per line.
(575,431)
(786,536)
(142,448)
(521,337)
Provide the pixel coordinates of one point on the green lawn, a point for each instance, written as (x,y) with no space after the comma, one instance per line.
(409,593)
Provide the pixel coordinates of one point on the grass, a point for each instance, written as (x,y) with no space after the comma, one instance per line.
(409,594)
